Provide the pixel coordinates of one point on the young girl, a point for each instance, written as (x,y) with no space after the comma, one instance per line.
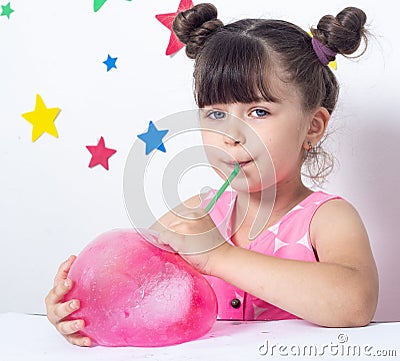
(312,259)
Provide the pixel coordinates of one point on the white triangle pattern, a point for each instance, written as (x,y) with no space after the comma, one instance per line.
(258,310)
(296,208)
(232,201)
(275,228)
(279,244)
(239,297)
(304,241)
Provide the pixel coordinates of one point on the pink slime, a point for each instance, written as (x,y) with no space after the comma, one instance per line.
(134,294)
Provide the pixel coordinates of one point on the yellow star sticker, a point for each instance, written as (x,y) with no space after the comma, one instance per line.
(42,119)
(333,63)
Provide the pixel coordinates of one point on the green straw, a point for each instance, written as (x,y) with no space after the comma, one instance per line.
(224,186)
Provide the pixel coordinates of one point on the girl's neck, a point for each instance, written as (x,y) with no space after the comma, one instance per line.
(255,212)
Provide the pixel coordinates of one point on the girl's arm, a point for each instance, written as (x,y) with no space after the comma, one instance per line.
(340,290)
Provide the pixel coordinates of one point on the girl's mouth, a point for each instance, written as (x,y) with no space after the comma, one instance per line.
(241,164)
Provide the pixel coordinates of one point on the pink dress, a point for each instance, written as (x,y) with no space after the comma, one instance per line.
(289,238)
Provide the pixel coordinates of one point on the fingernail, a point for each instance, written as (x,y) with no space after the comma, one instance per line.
(74,305)
(86,343)
(67,283)
(77,325)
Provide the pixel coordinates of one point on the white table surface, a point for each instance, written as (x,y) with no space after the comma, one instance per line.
(32,337)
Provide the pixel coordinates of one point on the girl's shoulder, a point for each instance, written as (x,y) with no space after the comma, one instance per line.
(306,209)
(330,207)
(336,220)
(318,198)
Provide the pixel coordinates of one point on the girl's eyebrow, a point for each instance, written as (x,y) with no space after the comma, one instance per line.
(252,103)
(213,106)
(264,101)
(269,101)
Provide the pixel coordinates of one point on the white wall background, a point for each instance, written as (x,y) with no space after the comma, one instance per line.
(52,204)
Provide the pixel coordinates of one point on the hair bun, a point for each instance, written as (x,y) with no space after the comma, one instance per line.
(194,26)
(343,33)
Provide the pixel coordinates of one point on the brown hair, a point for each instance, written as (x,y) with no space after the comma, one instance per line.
(237,62)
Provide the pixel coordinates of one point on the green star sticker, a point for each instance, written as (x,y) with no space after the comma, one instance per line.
(6,10)
(97,4)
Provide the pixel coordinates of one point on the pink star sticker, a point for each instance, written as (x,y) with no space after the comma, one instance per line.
(100,154)
(167,19)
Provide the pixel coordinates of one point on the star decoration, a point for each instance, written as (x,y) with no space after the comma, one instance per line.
(97,4)
(100,154)
(6,10)
(333,63)
(110,62)
(42,119)
(167,19)
(153,138)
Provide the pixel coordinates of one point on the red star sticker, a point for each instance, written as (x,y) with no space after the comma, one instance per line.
(167,19)
(100,154)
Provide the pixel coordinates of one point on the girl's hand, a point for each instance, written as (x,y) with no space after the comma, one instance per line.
(196,237)
(57,310)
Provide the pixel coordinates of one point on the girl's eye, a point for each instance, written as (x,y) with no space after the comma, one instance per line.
(216,114)
(259,113)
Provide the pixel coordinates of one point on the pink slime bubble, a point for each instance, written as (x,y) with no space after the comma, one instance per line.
(134,294)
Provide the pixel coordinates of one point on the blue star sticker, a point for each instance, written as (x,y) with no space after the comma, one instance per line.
(110,62)
(153,138)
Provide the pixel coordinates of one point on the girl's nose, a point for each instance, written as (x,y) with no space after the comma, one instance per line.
(232,140)
(233,134)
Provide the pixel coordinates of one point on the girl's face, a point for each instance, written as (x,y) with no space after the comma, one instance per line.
(265,137)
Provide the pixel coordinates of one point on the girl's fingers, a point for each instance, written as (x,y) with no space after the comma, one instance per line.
(58,292)
(58,310)
(171,239)
(79,340)
(63,270)
(63,310)
(70,327)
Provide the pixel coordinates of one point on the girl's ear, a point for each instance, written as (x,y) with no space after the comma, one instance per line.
(318,124)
